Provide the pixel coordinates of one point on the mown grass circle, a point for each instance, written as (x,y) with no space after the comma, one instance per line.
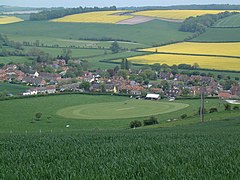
(120,110)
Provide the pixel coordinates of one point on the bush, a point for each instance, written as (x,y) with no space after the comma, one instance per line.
(151,121)
(38,116)
(135,124)
(227,107)
(236,108)
(213,109)
(183,116)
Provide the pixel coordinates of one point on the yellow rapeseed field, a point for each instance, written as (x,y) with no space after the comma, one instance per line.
(95,17)
(9,19)
(176,14)
(224,49)
(218,63)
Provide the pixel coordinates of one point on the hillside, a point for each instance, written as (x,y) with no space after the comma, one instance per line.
(231,21)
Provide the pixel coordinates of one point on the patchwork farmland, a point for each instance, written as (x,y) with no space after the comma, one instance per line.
(120,93)
(95,17)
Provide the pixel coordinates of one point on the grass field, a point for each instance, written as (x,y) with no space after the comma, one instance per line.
(176,14)
(76,53)
(94,17)
(231,21)
(13,88)
(14,59)
(9,20)
(201,151)
(218,63)
(20,118)
(223,49)
(219,35)
(142,33)
(121,110)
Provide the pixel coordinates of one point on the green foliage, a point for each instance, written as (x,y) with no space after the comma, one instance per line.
(213,110)
(227,106)
(199,24)
(60,12)
(38,116)
(236,108)
(151,121)
(85,85)
(183,116)
(115,48)
(135,124)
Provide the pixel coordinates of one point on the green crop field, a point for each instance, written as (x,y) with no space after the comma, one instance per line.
(201,151)
(231,21)
(12,88)
(76,53)
(14,59)
(219,35)
(120,110)
(149,33)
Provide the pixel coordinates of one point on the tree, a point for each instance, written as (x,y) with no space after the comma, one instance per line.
(115,48)
(135,124)
(151,121)
(66,54)
(85,85)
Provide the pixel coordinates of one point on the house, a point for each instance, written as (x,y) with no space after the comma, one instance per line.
(111,88)
(42,90)
(50,76)
(134,90)
(166,75)
(225,95)
(33,81)
(173,92)
(153,96)
(70,87)
(235,90)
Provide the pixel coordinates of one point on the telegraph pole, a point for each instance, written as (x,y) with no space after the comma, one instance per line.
(202,105)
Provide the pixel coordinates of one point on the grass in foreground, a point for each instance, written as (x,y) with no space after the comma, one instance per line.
(201,151)
(19,115)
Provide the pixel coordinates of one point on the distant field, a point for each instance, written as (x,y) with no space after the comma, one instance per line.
(14,59)
(219,35)
(95,17)
(176,14)
(9,20)
(218,63)
(121,110)
(76,53)
(231,21)
(13,88)
(150,33)
(223,49)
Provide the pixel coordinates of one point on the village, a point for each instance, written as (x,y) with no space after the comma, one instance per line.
(155,79)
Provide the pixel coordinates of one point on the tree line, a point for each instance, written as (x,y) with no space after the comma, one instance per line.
(58,13)
(199,24)
(187,7)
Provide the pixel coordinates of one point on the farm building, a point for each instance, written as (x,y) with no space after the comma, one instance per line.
(153,96)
